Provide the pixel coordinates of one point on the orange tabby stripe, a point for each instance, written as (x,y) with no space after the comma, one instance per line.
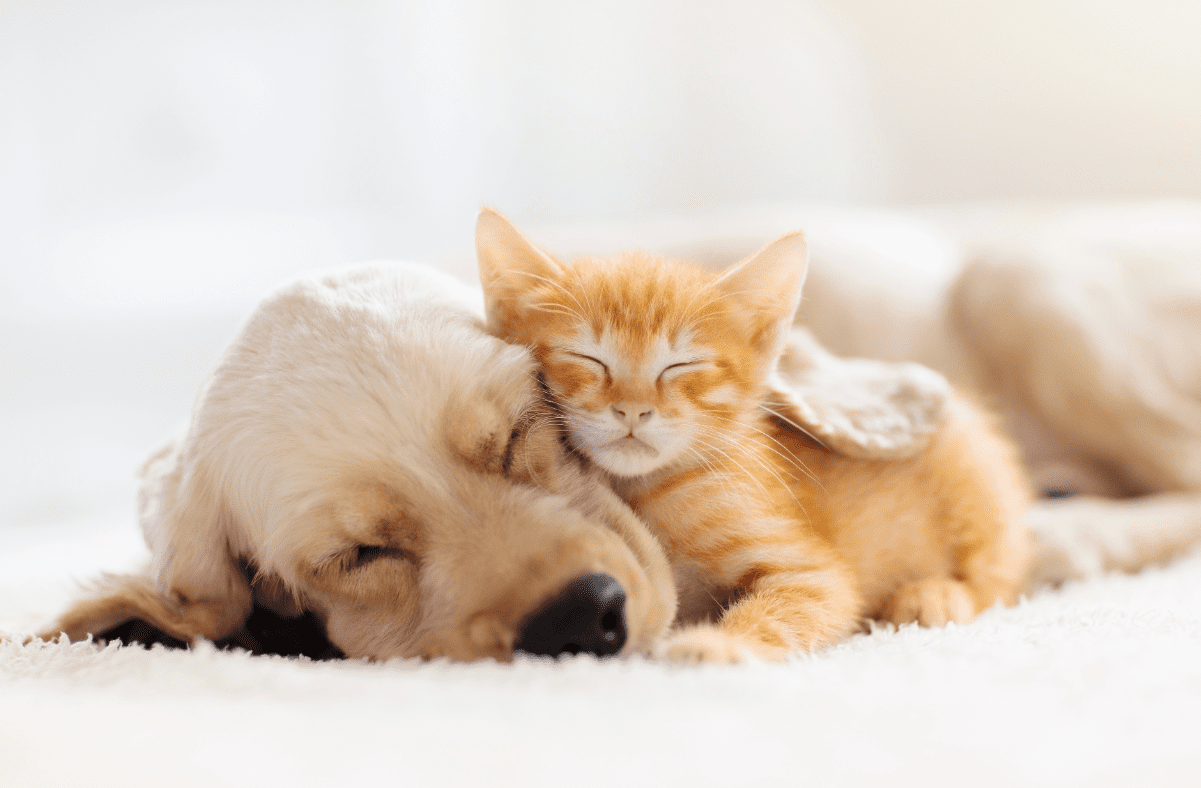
(802,557)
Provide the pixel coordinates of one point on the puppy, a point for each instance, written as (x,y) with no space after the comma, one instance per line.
(366,454)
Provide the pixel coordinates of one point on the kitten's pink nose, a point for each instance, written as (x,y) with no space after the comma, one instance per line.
(632,415)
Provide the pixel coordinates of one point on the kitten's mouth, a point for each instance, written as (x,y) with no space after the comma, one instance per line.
(632,445)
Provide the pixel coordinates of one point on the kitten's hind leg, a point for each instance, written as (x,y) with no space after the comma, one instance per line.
(981,518)
(990,565)
(933,602)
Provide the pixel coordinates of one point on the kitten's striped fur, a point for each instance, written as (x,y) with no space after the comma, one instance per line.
(659,371)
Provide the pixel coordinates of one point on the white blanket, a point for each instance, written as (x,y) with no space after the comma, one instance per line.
(1096,684)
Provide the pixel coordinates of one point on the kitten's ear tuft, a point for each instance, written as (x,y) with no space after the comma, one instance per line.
(510,267)
(767,287)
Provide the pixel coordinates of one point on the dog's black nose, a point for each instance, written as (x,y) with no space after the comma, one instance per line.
(588,616)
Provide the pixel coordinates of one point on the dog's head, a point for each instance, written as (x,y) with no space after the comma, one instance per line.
(366,453)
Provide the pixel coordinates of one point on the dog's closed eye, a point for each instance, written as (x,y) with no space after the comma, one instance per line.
(364,554)
(367,573)
(353,559)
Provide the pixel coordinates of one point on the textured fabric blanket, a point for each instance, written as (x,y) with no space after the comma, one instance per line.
(1097,683)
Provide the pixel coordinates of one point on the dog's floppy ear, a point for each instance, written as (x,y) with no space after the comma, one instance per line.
(194,587)
(857,407)
(126,608)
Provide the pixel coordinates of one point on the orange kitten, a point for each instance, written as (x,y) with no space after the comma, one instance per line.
(660,372)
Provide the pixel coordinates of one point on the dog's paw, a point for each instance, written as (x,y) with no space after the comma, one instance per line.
(703,645)
(932,602)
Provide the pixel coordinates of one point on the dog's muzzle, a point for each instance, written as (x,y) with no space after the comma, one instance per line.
(587,617)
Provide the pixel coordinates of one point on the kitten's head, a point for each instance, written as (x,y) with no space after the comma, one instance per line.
(651,360)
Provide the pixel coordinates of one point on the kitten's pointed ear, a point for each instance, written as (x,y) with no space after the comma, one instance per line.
(510,267)
(767,287)
(858,407)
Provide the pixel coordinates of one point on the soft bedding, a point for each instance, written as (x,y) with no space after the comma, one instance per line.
(1095,683)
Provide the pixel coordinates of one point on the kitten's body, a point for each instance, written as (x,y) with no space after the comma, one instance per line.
(661,373)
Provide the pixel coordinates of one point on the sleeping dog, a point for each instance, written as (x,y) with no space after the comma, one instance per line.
(365,455)
(368,463)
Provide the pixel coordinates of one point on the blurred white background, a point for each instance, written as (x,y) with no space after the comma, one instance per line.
(163,164)
(162,156)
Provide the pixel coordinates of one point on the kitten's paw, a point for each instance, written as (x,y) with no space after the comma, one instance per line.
(931,602)
(703,645)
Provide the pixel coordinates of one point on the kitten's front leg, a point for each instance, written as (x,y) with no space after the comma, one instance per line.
(707,644)
(796,594)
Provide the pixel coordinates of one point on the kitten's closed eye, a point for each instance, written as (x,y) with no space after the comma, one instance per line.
(671,370)
(604,367)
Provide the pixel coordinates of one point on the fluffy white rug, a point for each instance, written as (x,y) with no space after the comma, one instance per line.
(1096,684)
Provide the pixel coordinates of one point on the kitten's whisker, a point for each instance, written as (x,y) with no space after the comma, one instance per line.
(560,309)
(583,290)
(758,482)
(732,439)
(739,465)
(704,463)
(727,477)
(552,283)
(744,423)
(764,465)
(794,425)
(720,473)
(715,299)
(690,312)
(790,459)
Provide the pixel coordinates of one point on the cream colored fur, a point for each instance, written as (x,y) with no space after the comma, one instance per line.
(366,451)
(861,408)
(1093,347)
